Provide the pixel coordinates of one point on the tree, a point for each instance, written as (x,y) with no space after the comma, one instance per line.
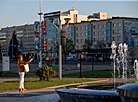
(13,43)
(0,50)
(132,52)
(100,44)
(88,45)
(69,47)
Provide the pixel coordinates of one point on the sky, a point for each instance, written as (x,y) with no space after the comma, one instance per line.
(21,12)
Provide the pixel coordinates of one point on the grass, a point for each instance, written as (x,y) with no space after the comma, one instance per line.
(96,74)
(34,83)
(10,74)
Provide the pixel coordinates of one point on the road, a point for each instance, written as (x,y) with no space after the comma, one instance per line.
(33,67)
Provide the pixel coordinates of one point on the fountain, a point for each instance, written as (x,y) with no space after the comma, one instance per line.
(129,92)
(105,92)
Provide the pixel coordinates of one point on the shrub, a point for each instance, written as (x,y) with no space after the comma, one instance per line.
(45,73)
(39,73)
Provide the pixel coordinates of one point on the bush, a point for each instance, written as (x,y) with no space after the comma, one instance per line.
(45,73)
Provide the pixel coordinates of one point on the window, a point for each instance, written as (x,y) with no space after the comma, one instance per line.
(86,27)
(104,39)
(81,34)
(114,25)
(94,33)
(77,28)
(86,34)
(69,35)
(81,40)
(119,38)
(119,24)
(81,28)
(81,46)
(99,26)
(94,39)
(99,33)
(113,32)
(94,26)
(104,32)
(99,39)
(77,46)
(113,38)
(119,31)
(77,40)
(77,34)
(104,26)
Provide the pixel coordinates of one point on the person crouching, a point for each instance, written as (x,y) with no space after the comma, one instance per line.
(21,72)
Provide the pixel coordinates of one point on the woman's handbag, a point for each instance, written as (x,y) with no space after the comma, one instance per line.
(26,68)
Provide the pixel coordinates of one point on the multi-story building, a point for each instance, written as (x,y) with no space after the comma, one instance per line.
(104,31)
(107,30)
(96,27)
(60,16)
(25,36)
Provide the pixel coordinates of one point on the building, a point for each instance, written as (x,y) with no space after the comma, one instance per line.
(96,27)
(60,16)
(25,36)
(98,16)
(104,31)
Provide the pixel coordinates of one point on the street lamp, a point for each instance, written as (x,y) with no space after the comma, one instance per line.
(80,66)
(59,38)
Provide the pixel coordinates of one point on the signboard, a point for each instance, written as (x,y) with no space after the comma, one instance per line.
(131,33)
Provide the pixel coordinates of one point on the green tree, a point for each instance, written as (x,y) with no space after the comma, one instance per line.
(88,45)
(69,47)
(132,52)
(13,43)
(100,44)
(0,50)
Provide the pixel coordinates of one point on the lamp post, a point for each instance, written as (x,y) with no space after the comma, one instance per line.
(40,52)
(12,48)
(59,38)
(80,65)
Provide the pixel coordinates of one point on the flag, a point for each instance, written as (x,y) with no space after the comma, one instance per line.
(43,25)
(37,44)
(44,44)
(36,27)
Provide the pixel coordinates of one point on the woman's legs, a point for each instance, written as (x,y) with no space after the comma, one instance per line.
(21,83)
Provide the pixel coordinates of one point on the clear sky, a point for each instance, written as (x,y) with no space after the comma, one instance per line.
(20,12)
